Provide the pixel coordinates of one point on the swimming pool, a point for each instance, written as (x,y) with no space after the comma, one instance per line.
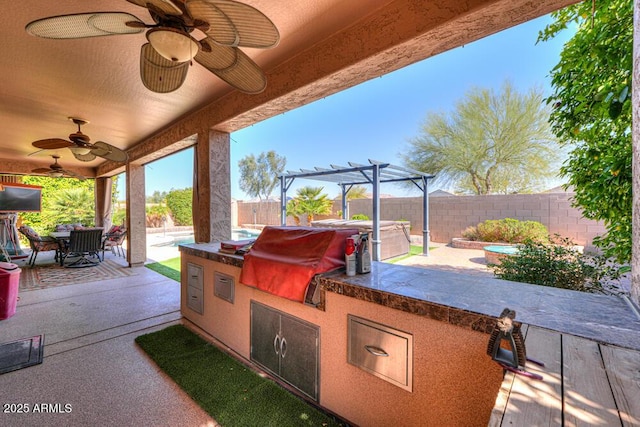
(239,234)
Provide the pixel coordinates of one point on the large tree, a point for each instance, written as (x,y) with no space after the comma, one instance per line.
(592,113)
(490,143)
(259,175)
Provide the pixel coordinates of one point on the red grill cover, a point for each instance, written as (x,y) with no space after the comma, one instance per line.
(283,260)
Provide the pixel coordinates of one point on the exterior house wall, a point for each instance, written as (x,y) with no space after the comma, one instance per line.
(450,215)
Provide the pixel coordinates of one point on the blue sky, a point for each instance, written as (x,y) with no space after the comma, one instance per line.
(376,119)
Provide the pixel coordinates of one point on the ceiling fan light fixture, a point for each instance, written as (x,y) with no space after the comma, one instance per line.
(80,150)
(56,174)
(173,44)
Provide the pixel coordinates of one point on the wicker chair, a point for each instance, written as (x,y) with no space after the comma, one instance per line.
(86,244)
(39,244)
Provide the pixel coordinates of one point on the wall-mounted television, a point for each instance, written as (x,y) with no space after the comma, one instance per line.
(20,198)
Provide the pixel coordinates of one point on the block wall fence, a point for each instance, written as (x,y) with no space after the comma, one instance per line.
(450,215)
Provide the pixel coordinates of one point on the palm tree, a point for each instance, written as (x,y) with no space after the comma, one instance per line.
(73,205)
(309,201)
(293,209)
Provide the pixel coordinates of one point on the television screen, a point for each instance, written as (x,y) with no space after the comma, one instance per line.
(20,198)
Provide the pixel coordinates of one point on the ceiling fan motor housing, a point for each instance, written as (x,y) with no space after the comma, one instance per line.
(79,138)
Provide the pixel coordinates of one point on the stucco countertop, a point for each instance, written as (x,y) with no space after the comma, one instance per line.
(474,302)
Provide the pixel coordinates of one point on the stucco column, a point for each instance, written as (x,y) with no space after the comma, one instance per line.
(136,224)
(212,187)
(635,258)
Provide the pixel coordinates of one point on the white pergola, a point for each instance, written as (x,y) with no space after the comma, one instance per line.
(374,173)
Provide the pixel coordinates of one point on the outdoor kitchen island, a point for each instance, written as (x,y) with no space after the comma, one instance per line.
(437,325)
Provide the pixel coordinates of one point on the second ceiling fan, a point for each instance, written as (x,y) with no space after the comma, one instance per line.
(80,146)
(165,60)
(55,170)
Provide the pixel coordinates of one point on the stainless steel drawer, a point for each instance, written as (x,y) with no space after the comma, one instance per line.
(223,286)
(382,351)
(195,299)
(195,276)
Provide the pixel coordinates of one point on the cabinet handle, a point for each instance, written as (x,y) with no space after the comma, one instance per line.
(276,344)
(283,347)
(376,351)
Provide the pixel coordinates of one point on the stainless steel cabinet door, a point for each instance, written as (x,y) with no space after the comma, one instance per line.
(299,355)
(287,347)
(265,330)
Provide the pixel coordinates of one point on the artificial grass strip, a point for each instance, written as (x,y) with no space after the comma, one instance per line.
(413,250)
(230,392)
(169,268)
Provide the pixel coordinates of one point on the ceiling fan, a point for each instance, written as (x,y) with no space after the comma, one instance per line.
(164,61)
(80,146)
(55,170)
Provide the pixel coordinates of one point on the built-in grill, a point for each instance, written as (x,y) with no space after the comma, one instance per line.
(283,260)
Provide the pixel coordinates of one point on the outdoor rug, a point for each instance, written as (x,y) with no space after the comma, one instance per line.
(20,354)
(50,275)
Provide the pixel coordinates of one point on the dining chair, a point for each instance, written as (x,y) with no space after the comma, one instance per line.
(39,243)
(85,244)
(113,240)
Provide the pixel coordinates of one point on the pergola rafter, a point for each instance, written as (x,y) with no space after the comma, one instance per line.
(374,173)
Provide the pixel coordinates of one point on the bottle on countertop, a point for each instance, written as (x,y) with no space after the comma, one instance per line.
(363,256)
(350,257)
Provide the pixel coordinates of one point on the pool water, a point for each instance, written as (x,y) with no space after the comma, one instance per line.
(235,235)
(506,250)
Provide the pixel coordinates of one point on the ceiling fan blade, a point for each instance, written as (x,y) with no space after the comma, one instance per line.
(41,170)
(71,174)
(231,65)
(83,157)
(158,74)
(235,24)
(166,6)
(52,144)
(109,152)
(83,25)
(35,152)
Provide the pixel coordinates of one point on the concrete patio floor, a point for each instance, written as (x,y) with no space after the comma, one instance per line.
(91,362)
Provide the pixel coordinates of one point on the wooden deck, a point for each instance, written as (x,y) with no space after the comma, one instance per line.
(584,384)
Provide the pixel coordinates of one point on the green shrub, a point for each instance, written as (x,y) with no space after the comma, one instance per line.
(119,216)
(360,217)
(560,265)
(155,215)
(507,230)
(179,203)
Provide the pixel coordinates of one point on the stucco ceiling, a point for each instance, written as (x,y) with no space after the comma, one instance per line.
(326,46)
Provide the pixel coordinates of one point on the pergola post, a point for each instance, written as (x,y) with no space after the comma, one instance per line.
(425,216)
(375,238)
(283,201)
(345,205)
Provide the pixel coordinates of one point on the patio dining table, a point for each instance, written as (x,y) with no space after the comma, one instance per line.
(62,237)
